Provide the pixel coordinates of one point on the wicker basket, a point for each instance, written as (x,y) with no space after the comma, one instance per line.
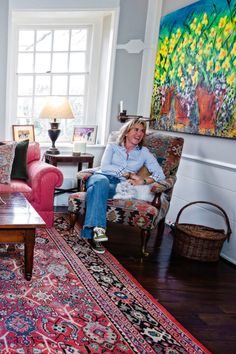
(199,242)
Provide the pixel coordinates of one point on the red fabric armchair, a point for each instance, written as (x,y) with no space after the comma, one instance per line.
(134,212)
(40,185)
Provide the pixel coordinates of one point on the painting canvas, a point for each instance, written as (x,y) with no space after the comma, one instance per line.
(195,71)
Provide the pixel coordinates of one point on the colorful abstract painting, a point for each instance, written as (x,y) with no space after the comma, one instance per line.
(195,71)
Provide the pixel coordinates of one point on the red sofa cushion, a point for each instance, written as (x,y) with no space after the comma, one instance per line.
(33,152)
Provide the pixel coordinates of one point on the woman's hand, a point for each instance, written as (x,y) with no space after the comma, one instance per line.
(126,175)
(135,180)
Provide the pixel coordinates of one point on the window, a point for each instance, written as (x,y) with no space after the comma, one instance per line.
(52,62)
(58,56)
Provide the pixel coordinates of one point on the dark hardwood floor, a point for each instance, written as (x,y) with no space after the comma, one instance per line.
(201,296)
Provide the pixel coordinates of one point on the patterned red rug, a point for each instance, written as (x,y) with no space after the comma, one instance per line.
(80,302)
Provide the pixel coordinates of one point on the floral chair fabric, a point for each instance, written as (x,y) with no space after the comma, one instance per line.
(138,213)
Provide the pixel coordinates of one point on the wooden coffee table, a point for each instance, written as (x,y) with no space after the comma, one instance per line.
(18,221)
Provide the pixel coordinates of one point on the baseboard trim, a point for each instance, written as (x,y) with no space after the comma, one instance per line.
(228,260)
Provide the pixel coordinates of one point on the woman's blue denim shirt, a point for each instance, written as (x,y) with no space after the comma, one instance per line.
(116,161)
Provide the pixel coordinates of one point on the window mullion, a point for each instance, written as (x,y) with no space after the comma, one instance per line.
(34,77)
(68,63)
(51,74)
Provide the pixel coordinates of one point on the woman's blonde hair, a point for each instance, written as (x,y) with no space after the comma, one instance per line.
(127,127)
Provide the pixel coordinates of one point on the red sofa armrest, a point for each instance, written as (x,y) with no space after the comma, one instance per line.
(43,179)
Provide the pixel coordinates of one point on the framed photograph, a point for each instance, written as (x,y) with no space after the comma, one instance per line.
(85,133)
(23,132)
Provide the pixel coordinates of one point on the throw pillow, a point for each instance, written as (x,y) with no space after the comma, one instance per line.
(7,153)
(143,172)
(19,167)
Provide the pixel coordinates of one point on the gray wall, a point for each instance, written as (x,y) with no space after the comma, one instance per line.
(128,66)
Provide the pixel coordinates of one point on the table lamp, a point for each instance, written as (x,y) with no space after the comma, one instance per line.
(56,108)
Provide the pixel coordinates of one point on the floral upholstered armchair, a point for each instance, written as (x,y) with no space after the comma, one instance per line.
(134,212)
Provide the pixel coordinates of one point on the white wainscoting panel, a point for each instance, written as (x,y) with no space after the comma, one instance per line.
(207,180)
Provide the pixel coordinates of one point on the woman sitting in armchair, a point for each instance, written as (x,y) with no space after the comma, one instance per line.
(121,161)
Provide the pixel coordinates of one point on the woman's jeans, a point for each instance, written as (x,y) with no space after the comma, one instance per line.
(99,188)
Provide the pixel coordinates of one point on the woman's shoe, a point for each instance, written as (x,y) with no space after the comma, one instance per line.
(99,234)
(97,247)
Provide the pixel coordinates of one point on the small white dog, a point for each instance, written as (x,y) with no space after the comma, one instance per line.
(125,190)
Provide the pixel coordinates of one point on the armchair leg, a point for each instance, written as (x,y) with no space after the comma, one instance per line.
(73,218)
(160,228)
(145,235)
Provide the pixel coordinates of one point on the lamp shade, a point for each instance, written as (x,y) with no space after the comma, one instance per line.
(57,108)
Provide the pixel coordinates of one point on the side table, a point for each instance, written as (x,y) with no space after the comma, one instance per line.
(71,158)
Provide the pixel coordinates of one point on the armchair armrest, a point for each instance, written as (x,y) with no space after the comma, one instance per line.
(157,187)
(163,186)
(163,191)
(84,175)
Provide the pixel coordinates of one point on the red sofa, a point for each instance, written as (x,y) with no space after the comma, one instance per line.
(39,187)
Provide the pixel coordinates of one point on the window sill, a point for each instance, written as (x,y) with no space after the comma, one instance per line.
(70,146)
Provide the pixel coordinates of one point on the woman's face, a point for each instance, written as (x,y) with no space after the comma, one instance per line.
(135,135)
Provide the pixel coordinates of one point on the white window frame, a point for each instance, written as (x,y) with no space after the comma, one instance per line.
(88,109)
(93,108)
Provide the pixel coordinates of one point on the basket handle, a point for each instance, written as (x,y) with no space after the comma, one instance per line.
(229,231)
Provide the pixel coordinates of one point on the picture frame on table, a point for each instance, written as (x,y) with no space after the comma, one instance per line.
(23,132)
(85,134)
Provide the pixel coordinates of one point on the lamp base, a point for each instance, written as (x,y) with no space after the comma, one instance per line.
(53,133)
(53,151)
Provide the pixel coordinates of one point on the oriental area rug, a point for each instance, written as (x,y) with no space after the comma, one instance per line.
(80,302)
